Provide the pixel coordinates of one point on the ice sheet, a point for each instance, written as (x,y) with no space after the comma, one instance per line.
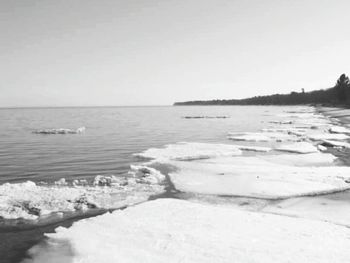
(170,230)
(328,136)
(339,129)
(256,177)
(191,151)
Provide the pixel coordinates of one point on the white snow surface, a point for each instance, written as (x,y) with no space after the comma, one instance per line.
(170,230)
(316,207)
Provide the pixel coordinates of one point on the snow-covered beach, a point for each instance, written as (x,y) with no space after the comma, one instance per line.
(274,195)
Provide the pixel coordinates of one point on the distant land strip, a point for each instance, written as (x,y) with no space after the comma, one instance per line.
(339,95)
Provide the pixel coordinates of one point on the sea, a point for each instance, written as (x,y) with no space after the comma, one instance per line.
(112,136)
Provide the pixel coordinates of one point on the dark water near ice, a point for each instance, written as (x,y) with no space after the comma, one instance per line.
(112,135)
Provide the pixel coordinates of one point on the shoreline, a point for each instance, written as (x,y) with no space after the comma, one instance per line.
(40,230)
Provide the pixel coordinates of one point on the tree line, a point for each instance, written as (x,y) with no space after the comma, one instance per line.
(338,95)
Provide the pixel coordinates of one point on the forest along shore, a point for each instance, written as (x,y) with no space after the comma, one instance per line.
(280,202)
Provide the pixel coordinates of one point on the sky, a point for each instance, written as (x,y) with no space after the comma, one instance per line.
(152,52)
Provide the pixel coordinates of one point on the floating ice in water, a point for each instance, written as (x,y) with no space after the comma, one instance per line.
(250,137)
(339,129)
(191,151)
(298,147)
(60,131)
(170,230)
(336,144)
(31,201)
(256,177)
(321,148)
(206,117)
(328,136)
(282,122)
(253,148)
(287,130)
(260,137)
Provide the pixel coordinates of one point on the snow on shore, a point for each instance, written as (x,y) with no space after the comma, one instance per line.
(170,230)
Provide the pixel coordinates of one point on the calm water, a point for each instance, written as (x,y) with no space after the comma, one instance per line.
(112,135)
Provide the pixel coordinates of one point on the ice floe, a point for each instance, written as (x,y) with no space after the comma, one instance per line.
(298,147)
(170,230)
(60,131)
(29,200)
(206,117)
(261,136)
(256,177)
(328,136)
(339,129)
(332,143)
(191,151)
(253,148)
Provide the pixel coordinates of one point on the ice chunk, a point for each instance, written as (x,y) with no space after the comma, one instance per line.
(260,137)
(298,147)
(339,129)
(31,201)
(191,151)
(336,144)
(253,148)
(206,117)
(321,148)
(282,122)
(61,181)
(60,131)
(170,230)
(328,136)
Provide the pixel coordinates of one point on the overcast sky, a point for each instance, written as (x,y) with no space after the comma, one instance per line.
(84,53)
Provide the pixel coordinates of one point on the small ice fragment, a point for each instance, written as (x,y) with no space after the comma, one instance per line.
(321,148)
(332,143)
(60,131)
(339,129)
(328,136)
(298,147)
(61,181)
